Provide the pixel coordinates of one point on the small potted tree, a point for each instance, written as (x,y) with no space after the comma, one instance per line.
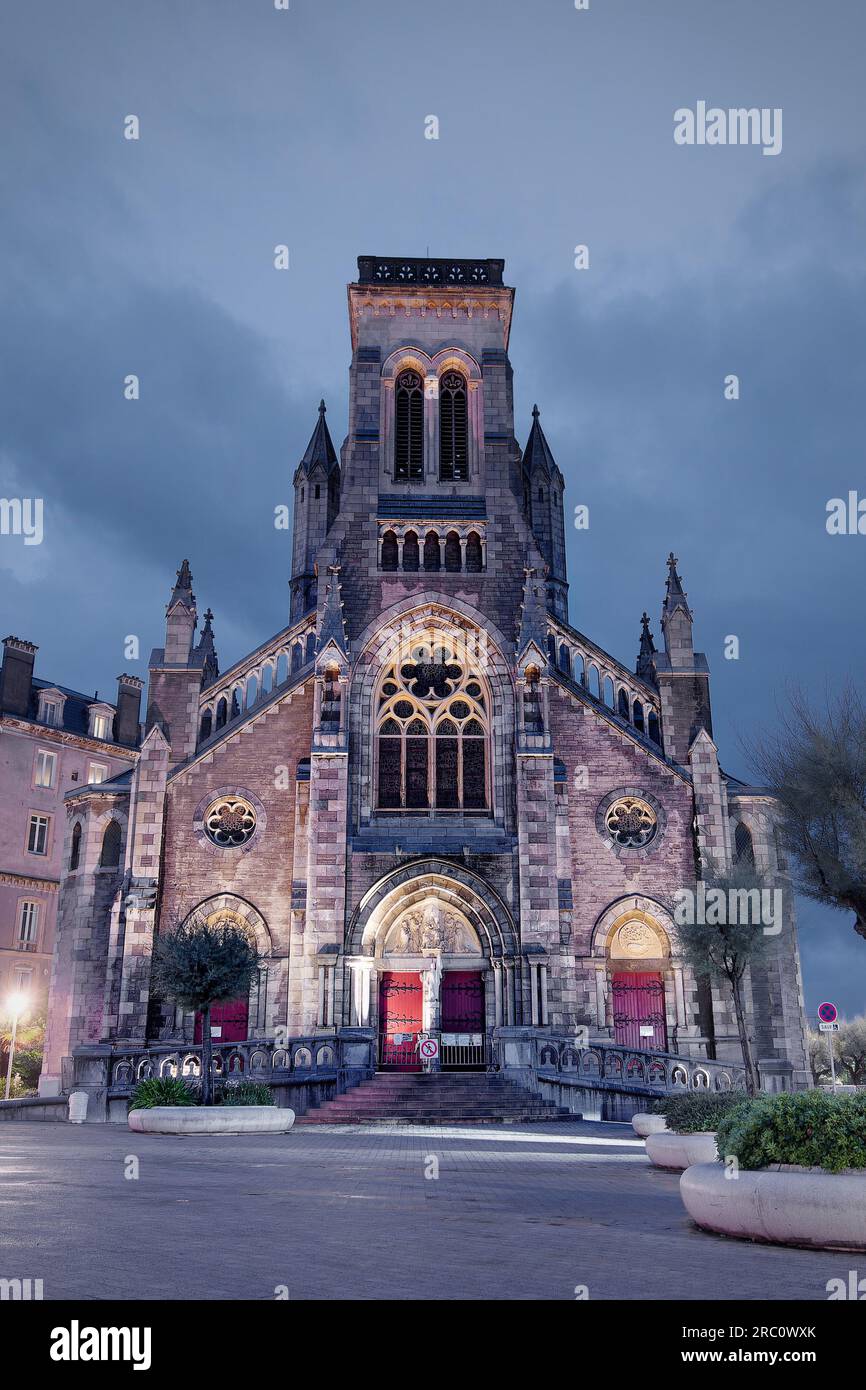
(197,964)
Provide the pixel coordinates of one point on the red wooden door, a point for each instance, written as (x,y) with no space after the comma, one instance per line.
(639,1000)
(229,1022)
(401,1014)
(462,1001)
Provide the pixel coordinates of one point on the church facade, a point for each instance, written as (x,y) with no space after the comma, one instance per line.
(433,803)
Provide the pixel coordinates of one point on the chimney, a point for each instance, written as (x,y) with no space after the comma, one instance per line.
(16,675)
(126,721)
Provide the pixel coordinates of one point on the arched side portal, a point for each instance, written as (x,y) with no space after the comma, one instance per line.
(254,1015)
(639,988)
(427,945)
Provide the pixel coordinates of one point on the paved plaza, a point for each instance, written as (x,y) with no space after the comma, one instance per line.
(350,1212)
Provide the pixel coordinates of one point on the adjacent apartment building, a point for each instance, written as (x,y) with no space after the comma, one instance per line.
(53,740)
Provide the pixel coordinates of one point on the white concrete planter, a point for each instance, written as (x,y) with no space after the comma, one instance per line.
(679,1151)
(643,1123)
(783,1204)
(211,1119)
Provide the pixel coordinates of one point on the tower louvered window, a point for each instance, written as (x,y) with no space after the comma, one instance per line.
(409,428)
(453,429)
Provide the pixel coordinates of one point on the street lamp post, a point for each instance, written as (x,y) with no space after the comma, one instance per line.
(17,1005)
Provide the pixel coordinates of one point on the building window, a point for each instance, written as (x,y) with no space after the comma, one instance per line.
(109,856)
(49,712)
(230,822)
(409,428)
(453,429)
(744,850)
(28,925)
(631,822)
(99,726)
(432,735)
(23,981)
(45,768)
(75,852)
(97,772)
(389,551)
(37,836)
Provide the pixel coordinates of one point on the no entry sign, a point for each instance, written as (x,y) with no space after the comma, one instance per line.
(429,1049)
(828,1013)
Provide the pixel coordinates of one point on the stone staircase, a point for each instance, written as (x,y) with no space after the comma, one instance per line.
(440,1098)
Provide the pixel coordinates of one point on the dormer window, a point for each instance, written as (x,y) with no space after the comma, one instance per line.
(409,428)
(453,429)
(100,721)
(51,704)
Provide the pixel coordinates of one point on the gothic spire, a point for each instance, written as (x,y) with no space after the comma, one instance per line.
(182,592)
(674,593)
(537,454)
(320,450)
(205,650)
(644,666)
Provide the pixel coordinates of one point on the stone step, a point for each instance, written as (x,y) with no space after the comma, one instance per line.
(441,1098)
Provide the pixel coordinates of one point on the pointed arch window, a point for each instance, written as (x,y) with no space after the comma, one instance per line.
(473,553)
(744,850)
(109,857)
(432,735)
(411,553)
(75,852)
(453,429)
(409,428)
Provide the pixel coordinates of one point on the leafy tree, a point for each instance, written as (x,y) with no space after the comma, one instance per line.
(200,963)
(723,940)
(815,767)
(29,1041)
(819,1060)
(850,1049)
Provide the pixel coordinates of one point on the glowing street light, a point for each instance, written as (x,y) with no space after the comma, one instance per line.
(15,1005)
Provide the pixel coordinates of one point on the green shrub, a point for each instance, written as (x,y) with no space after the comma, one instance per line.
(695,1112)
(245,1093)
(163,1090)
(808,1128)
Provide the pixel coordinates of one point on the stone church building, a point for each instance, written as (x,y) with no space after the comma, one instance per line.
(434,804)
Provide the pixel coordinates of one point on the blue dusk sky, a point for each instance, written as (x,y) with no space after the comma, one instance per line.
(306,126)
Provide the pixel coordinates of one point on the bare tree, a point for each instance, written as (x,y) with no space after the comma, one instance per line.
(198,964)
(815,767)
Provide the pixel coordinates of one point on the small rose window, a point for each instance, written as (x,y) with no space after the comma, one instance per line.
(631,822)
(230,822)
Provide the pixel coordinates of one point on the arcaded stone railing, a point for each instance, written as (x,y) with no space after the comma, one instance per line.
(606,1064)
(304,1058)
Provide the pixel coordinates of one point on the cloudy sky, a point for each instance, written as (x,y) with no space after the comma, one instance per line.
(306,127)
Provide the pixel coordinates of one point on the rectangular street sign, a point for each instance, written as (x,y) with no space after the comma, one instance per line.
(828,1027)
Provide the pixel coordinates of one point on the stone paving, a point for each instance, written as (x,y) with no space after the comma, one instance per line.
(337,1212)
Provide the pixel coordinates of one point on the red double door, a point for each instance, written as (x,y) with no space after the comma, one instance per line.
(639,1003)
(229,1022)
(401,1012)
